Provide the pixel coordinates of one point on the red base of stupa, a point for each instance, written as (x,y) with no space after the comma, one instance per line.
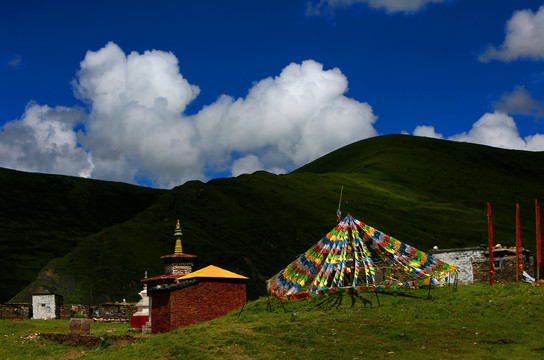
(137,321)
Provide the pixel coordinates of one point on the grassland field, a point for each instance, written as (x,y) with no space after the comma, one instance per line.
(503,321)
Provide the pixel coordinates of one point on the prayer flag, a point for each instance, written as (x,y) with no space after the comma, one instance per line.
(344,254)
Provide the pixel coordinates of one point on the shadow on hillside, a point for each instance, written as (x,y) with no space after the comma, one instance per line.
(342,299)
(397,293)
(336,300)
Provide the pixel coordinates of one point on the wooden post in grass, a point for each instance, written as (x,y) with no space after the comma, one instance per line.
(491,257)
(518,242)
(281,302)
(537,241)
(377,298)
(242,309)
(338,212)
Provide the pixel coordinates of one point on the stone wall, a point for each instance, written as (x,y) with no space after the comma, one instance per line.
(113,312)
(178,264)
(473,263)
(207,299)
(67,311)
(104,313)
(180,269)
(505,266)
(463,259)
(16,311)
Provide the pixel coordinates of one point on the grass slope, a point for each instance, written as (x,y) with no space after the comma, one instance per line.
(476,322)
(423,191)
(441,187)
(44,216)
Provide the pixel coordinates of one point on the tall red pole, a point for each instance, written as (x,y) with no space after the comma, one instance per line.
(491,257)
(518,241)
(537,241)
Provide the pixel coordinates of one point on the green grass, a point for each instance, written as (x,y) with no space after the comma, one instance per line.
(476,322)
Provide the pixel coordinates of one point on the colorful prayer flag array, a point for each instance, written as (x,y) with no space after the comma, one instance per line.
(355,257)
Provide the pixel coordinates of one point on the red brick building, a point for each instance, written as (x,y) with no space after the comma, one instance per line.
(199,296)
(181,297)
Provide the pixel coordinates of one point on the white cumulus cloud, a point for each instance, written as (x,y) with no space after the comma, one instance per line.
(390,6)
(246,165)
(524,38)
(43,140)
(493,129)
(136,127)
(287,120)
(535,142)
(427,131)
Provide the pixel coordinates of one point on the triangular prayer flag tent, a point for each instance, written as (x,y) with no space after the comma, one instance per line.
(356,257)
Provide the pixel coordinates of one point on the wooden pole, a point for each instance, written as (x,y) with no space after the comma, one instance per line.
(377,298)
(490,246)
(242,309)
(281,302)
(338,212)
(518,242)
(538,246)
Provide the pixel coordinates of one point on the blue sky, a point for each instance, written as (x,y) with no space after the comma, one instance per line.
(158,93)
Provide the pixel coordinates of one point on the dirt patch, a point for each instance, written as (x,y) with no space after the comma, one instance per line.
(501,341)
(90,341)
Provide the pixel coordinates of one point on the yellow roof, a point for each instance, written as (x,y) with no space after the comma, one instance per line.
(212,272)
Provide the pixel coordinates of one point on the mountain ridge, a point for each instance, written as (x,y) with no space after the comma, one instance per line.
(425,192)
(43,216)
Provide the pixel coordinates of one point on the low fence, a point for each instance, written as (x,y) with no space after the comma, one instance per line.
(102,313)
(16,311)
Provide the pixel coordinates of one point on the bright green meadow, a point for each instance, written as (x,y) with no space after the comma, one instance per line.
(474,322)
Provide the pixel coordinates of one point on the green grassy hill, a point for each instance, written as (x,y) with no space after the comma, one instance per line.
(440,187)
(43,217)
(423,191)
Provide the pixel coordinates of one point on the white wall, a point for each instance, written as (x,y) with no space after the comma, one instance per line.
(43,307)
(463,259)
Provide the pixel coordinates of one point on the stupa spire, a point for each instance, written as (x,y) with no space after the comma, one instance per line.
(177,235)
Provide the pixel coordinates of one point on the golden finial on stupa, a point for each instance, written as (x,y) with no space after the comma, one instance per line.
(177,234)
